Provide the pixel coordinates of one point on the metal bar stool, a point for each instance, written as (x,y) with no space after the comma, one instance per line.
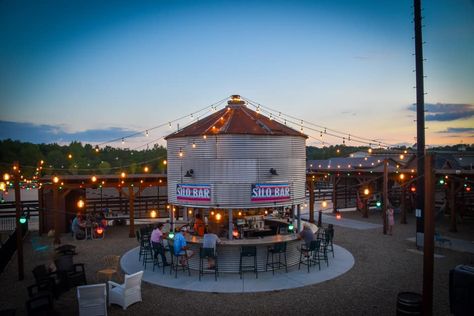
(277,249)
(309,255)
(206,254)
(248,252)
(175,261)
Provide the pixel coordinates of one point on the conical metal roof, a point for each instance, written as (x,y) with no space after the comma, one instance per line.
(236,118)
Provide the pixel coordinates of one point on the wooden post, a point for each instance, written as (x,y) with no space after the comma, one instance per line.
(57,240)
(311,201)
(19,235)
(428,249)
(40,211)
(131,201)
(334,194)
(385,196)
(403,215)
(452,195)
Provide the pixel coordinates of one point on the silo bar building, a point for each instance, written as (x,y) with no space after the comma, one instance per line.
(244,173)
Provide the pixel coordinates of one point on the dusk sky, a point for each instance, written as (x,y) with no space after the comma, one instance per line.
(94,71)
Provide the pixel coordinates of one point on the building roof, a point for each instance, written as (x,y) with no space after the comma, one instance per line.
(236,118)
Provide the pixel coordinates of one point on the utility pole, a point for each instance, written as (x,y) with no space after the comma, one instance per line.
(420,125)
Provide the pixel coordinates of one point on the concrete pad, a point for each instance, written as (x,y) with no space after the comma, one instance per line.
(342,262)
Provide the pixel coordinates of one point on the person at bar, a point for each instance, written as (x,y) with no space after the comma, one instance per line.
(209,241)
(180,245)
(199,225)
(156,240)
(306,234)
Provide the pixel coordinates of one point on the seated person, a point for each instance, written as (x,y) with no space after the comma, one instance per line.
(78,227)
(156,240)
(180,245)
(209,241)
(306,234)
(199,225)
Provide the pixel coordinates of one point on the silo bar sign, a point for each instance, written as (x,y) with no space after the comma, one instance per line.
(270,192)
(193,192)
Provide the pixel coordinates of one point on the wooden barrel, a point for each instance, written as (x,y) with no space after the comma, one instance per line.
(409,303)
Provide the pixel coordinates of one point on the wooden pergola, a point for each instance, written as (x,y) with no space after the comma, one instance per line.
(62,185)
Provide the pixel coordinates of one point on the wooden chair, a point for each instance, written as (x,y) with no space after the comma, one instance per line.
(111,267)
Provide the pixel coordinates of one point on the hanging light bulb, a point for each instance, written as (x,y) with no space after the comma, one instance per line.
(123,141)
(194,145)
(146,133)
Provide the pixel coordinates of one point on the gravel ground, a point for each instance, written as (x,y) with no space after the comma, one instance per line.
(383,268)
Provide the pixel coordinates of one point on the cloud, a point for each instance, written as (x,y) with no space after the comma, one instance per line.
(443,112)
(458,130)
(30,132)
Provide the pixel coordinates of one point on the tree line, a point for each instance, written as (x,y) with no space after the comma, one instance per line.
(77,158)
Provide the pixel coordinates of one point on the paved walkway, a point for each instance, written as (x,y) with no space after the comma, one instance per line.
(342,262)
(344,222)
(456,245)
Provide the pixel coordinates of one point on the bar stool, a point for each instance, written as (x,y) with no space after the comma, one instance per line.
(148,256)
(248,252)
(206,254)
(175,258)
(158,249)
(310,255)
(144,241)
(276,249)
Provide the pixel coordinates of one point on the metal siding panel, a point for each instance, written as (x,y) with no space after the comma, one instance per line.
(232,163)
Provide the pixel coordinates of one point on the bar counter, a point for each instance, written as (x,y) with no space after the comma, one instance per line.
(228,251)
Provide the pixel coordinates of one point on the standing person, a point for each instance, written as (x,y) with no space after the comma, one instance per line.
(156,240)
(180,245)
(199,225)
(391,220)
(209,241)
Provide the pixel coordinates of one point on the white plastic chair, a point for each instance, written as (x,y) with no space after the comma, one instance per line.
(92,299)
(127,293)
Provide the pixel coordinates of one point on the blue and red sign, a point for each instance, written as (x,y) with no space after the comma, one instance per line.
(270,192)
(193,192)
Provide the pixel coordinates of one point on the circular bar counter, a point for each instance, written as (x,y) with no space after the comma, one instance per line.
(228,251)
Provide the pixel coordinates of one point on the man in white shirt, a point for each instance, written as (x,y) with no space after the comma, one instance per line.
(209,241)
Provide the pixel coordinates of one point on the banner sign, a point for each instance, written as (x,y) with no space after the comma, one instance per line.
(193,192)
(270,192)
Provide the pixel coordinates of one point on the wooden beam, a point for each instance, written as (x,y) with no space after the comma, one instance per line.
(452,206)
(57,240)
